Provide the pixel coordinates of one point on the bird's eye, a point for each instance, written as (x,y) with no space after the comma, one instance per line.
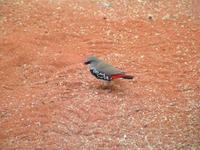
(87,62)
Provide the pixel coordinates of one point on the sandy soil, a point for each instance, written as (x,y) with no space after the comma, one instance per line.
(49,100)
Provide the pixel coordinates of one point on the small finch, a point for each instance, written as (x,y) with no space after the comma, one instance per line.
(104,71)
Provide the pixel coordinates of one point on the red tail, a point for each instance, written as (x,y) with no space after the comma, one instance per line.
(117,76)
(128,77)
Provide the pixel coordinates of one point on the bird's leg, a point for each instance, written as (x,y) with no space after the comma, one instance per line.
(107,84)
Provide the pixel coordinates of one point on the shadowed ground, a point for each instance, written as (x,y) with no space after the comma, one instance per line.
(49,100)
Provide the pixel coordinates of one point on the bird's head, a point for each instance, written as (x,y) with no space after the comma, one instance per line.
(91,60)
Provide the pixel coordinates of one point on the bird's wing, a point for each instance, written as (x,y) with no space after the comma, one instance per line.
(108,69)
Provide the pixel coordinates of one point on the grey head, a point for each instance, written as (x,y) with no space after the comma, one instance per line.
(92,60)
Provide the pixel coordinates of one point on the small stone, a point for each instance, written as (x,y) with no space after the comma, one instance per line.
(137,110)
(150,16)
(166,17)
(106,4)
(136,36)
(145,125)
(125,136)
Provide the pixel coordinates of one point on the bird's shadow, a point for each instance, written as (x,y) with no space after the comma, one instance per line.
(108,88)
(116,86)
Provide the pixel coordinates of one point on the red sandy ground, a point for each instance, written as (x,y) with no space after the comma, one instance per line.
(49,100)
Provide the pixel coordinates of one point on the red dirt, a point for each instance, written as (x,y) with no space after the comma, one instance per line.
(49,100)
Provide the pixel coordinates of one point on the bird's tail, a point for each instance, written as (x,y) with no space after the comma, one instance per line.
(128,77)
(117,76)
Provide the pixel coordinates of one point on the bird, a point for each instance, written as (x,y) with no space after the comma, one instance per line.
(103,71)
